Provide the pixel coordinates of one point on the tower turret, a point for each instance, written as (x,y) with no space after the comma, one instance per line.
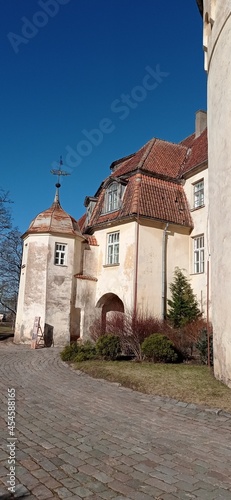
(217,47)
(51,258)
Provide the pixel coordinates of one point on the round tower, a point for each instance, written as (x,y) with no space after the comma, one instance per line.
(217,47)
(51,257)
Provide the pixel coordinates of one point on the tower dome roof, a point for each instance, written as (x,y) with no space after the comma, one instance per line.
(54,220)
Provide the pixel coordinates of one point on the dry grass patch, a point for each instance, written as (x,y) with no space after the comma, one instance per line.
(189,383)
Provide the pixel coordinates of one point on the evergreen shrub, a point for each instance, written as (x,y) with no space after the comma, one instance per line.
(108,346)
(69,352)
(183,306)
(202,347)
(86,351)
(158,348)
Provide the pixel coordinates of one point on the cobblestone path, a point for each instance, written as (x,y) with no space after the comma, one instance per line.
(80,438)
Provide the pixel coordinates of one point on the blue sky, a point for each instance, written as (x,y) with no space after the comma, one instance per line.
(92,81)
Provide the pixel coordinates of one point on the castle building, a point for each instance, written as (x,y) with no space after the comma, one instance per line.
(148,216)
(217,45)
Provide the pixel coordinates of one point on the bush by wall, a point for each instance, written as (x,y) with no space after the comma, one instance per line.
(158,348)
(69,352)
(202,347)
(108,346)
(85,352)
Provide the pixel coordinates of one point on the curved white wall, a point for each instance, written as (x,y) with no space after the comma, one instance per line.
(217,42)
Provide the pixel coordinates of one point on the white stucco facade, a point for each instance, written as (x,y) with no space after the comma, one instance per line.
(217,45)
(121,257)
(47,288)
(199,281)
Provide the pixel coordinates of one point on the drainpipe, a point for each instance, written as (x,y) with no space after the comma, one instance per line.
(164,265)
(137,249)
(208,326)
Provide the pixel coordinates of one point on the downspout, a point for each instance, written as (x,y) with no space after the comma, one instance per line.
(164,266)
(138,180)
(207,323)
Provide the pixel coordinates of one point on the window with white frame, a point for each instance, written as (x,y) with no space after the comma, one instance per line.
(113,248)
(198,194)
(60,254)
(198,254)
(112,197)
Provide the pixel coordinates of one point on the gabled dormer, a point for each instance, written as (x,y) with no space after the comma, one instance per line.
(114,191)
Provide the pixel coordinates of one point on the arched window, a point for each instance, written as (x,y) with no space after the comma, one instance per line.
(113,196)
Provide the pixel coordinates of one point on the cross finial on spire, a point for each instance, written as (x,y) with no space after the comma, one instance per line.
(59,172)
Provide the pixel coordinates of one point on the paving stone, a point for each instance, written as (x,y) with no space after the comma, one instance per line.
(62,492)
(41,492)
(107,495)
(82,492)
(83,438)
(120,487)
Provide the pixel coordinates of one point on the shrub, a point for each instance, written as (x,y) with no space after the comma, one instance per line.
(202,347)
(159,349)
(108,346)
(85,351)
(183,306)
(132,329)
(69,352)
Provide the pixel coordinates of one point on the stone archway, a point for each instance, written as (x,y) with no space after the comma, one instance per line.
(109,303)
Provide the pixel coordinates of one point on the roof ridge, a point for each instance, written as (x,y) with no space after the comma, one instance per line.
(136,194)
(149,146)
(186,138)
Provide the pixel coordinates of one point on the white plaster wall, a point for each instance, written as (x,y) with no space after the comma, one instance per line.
(32,290)
(85,300)
(201,221)
(90,260)
(121,279)
(46,289)
(150,264)
(117,279)
(59,289)
(219,124)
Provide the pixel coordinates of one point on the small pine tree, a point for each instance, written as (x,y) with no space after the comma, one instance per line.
(183,306)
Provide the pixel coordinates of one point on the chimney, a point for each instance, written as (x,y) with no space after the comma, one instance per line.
(201,122)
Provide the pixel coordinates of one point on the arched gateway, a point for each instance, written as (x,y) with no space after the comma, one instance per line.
(109,303)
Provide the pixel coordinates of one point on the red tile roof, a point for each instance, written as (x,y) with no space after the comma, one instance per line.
(198,151)
(54,220)
(159,165)
(92,241)
(150,197)
(157,157)
(85,277)
(82,222)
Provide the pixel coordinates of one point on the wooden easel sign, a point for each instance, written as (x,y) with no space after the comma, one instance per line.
(35,331)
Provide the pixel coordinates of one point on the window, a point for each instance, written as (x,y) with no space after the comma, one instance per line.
(112,197)
(113,248)
(198,243)
(198,194)
(60,254)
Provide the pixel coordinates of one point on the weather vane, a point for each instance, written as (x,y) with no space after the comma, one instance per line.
(59,172)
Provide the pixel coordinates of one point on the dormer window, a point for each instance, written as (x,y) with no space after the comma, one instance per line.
(113,197)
